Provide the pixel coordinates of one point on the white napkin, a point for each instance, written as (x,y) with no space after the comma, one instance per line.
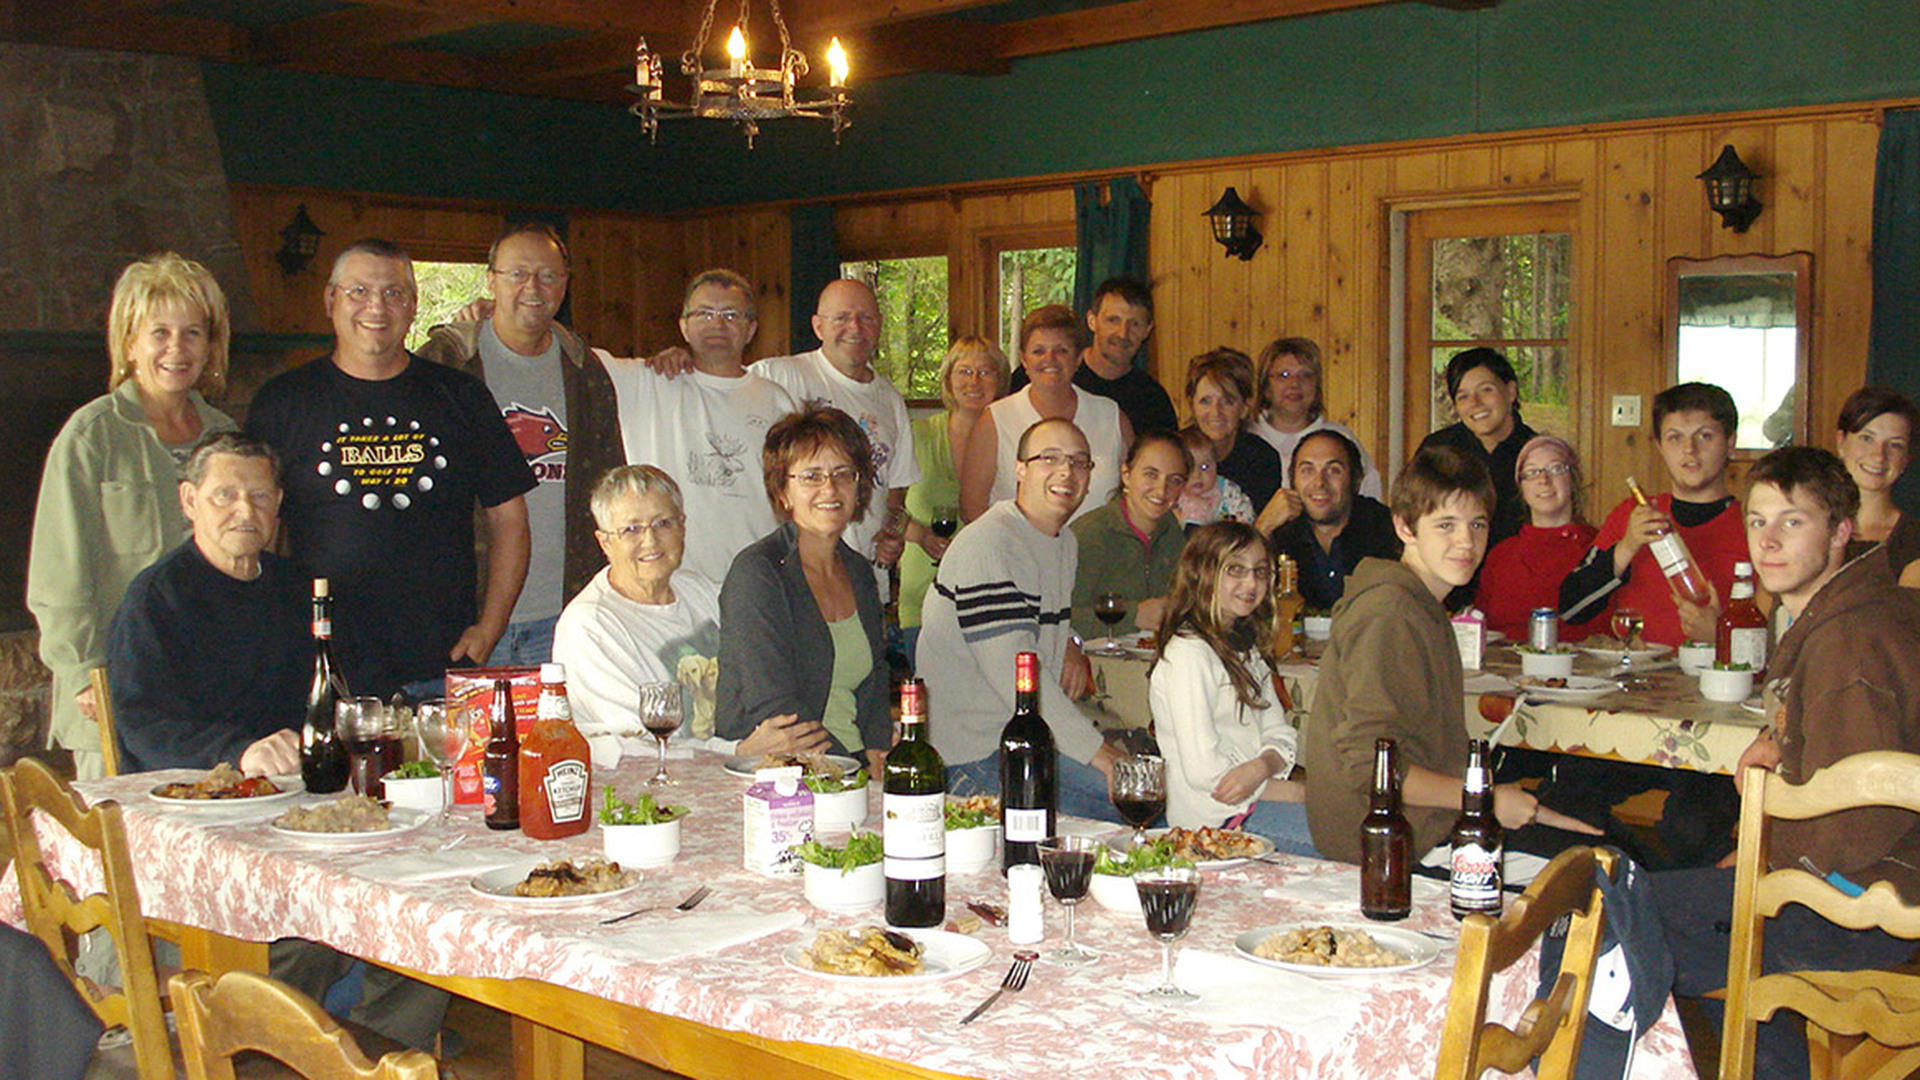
(217,814)
(400,867)
(1488,683)
(670,935)
(1342,888)
(1237,991)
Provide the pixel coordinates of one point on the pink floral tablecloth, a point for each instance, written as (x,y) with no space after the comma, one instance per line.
(239,879)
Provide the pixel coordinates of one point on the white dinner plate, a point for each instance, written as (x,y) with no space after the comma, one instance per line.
(1611,655)
(498,885)
(1417,947)
(1578,688)
(290,787)
(746,764)
(1121,841)
(400,821)
(947,956)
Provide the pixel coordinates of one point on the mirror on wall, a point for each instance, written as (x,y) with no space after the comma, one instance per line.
(1744,322)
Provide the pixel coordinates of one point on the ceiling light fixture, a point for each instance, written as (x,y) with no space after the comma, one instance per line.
(740,92)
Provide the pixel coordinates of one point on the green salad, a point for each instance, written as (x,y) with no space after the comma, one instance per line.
(617,811)
(862,849)
(824,784)
(972,812)
(416,770)
(1149,856)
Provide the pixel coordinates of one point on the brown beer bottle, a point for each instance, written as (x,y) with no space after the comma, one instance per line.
(1476,872)
(1386,844)
(500,768)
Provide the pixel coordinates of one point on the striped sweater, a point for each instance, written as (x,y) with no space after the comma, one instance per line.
(1003,588)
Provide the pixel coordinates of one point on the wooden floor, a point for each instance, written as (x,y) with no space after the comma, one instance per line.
(489,1051)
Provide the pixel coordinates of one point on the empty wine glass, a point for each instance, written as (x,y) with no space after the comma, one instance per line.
(1167,898)
(660,714)
(444,736)
(1068,862)
(1110,609)
(1138,787)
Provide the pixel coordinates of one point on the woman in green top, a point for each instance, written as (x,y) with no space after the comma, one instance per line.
(1131,546)
(972,377)
(109,496)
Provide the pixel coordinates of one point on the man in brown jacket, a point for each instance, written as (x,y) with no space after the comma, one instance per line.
(1844,679)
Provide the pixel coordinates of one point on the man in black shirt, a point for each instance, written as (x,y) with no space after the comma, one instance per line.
(384,457)
(1338,527)
(1120,321)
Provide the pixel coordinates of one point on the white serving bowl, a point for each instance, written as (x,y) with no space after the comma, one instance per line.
(1729,686)
(1554,665)
(1317,628)
(1696,657)
(970,851)
(849,892)
(642,846)
(1117,894)
(839,811)
(417,793)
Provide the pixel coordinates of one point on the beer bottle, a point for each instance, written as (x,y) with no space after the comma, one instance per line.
(1476,870)
(1386,844)
(500,768)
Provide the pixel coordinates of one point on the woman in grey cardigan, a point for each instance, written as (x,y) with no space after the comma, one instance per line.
(801,626)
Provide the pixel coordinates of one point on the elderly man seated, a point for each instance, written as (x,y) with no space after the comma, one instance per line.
(183,695)
(646,619)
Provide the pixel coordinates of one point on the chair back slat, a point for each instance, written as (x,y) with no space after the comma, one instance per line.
(1860,1024)
(103,715)
(1550,1027)
(54,909)
(242,1011)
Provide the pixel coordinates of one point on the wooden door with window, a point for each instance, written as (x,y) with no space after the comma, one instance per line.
(1500,277)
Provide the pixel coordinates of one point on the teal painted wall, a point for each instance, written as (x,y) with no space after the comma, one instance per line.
(1380,74)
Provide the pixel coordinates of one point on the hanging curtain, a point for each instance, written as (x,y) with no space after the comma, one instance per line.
(1112,238)
(1893,357)
(813,261)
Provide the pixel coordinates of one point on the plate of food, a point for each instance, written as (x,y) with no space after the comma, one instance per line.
(1610,650)
(1567,688)
(350,821)
(559,883)
(746,765)
(1337,950)
(1207,848)
(877,956)
(1139,645)
(224,786)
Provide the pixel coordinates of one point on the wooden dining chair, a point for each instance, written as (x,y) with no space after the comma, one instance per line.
(1859,1023)
(58,915)
(103,715)
(1550,1027)
(243,1011)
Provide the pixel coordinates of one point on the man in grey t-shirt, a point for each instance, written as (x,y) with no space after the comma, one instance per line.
(559,404)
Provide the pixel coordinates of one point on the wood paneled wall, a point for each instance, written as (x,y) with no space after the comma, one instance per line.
(754,242)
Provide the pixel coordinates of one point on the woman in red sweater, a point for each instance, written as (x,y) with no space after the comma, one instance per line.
(1524,571)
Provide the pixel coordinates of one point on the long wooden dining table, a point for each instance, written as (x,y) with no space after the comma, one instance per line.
(711,993)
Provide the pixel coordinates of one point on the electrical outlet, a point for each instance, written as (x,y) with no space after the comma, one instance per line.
(1626,410)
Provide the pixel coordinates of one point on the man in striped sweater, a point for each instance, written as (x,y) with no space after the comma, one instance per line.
(1003,588)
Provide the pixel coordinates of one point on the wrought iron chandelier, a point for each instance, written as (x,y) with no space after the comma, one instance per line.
(740,92)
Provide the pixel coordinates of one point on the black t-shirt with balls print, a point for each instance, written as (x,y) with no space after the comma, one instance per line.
(382,477)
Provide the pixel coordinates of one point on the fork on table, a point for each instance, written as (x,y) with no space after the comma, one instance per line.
(692,901)
(1015,981)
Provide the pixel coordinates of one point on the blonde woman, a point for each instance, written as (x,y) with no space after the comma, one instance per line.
(109,498)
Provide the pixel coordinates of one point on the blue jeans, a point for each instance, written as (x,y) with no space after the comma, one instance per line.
(1284,823)
(525,643)
(1083,788)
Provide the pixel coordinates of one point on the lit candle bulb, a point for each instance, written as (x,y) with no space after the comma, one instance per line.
(836,65)
(642,65)
(737,53)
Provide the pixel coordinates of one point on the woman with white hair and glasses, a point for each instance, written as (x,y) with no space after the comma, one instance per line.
(109,497)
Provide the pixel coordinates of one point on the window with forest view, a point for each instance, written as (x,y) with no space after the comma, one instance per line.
(1509,293)
(1030,278)
(445,288)
(913,320)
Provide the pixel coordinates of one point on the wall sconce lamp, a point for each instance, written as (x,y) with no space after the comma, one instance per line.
(1233,225)
(299,242)
(1730,191)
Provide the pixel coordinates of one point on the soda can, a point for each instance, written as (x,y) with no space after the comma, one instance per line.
(1543,629)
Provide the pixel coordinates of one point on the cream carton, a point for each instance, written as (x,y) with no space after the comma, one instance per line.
(777,813)
(1470,633)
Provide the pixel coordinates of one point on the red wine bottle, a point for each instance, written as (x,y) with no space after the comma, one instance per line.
(323,754)
(1029,771)
(914,805)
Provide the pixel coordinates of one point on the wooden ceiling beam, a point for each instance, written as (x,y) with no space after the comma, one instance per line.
(603,16)
(177,35)
(352,29)
(953,46)
(47,22)
(1134,20)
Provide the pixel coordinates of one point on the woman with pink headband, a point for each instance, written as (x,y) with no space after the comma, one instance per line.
(1523,572)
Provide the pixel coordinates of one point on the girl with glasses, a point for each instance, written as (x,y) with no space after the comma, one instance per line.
(1524,571)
